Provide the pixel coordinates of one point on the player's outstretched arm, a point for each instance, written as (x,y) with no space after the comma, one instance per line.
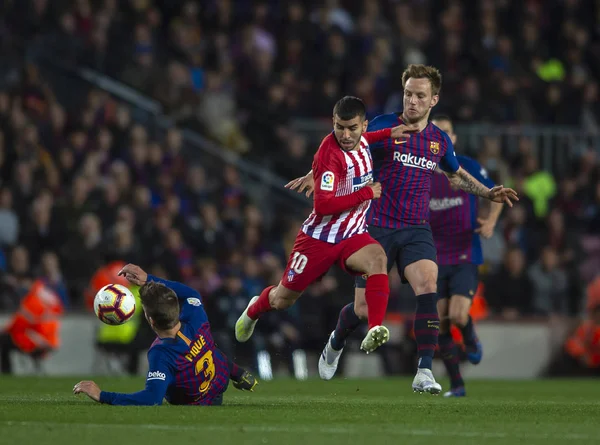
(147,397)
(157,383)
(180,289)
(398,132)
(464,181)
(136,275)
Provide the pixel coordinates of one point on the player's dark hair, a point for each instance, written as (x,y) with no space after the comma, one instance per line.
(442,117)
(424,72)
(348,107)
(160,304)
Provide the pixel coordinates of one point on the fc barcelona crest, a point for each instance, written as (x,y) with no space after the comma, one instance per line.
(434,147)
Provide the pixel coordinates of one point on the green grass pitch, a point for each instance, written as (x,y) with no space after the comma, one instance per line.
(43,411)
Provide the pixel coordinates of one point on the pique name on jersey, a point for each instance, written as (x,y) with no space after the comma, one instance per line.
(445,203)
(410,160)
(195,348)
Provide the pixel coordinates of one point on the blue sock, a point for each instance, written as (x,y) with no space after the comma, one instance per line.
(468,333)
(348,321)
(427,328)
(449,353)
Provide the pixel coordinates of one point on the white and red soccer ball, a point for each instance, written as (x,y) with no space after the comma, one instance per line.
(114,304)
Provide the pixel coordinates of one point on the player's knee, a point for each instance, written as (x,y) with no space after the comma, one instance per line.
(377,264)
(459,310)
(459,318)
(426,286)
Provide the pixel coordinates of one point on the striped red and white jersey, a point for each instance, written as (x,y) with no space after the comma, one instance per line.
(338,173)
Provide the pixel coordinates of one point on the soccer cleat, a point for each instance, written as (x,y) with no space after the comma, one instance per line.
(246,382)
(475,354)
(377,336)
(244,326)
(456,392)
(425,382)
(329,360)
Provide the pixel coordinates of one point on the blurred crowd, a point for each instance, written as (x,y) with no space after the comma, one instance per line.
(82,190)
(79,189)
(241,70)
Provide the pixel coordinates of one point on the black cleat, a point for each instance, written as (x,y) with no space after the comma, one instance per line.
(246,382)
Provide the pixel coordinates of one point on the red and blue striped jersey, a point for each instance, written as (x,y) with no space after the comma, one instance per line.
(405,167)
(186,370)
(454,217)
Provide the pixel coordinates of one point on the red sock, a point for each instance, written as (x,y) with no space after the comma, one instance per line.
(377,293)
(261,305)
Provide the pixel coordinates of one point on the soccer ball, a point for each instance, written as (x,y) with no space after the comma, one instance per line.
(114,304)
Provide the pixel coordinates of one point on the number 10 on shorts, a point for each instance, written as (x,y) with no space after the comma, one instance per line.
(298,262)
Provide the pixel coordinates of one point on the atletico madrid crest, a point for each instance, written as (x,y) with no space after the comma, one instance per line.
(434,147)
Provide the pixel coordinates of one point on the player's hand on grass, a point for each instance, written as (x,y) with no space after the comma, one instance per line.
(88,388)
(303,183)
(376,186)
(503,195)
(134,274)
(401,132)
(486,227)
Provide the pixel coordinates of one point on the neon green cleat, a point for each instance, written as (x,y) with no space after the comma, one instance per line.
(244,327)
(377,336)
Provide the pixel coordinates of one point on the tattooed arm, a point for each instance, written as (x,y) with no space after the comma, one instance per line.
(464,181)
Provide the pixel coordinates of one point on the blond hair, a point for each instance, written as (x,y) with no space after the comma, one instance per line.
(424,72)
